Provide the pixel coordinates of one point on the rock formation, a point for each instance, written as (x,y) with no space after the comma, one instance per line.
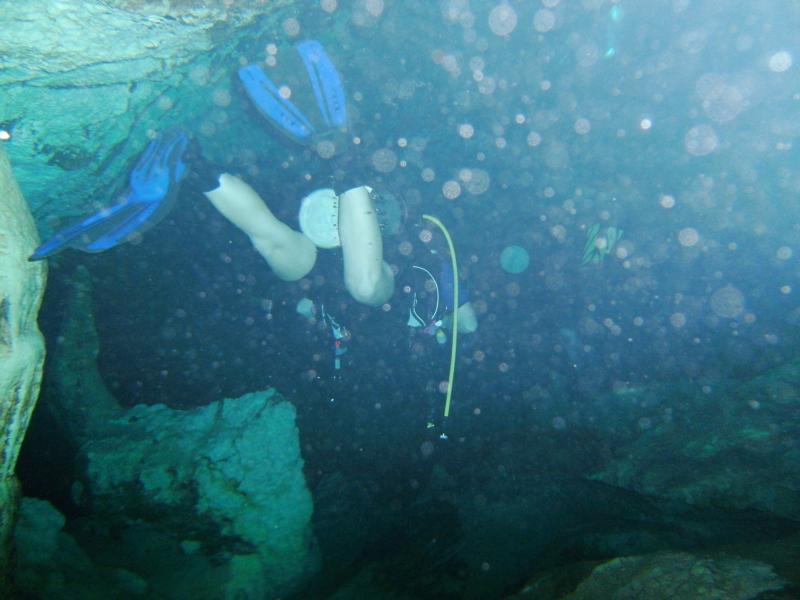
(21,343)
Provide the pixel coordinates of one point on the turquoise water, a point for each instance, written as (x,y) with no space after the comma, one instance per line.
(620,183)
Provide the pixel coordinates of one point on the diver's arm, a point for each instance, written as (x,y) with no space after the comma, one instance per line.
(367,277)
(289,253)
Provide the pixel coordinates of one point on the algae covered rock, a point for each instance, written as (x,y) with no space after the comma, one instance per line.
(659,576)
(228,475)
(677,575)
(733,446)
(21,343)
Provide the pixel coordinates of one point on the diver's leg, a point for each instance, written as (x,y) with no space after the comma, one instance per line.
(367,277)
(289,253)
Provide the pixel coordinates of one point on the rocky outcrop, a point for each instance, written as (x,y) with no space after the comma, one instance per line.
(730,445)
(75,394)
(665,575)
(218,491)
(224,481)
(21,343)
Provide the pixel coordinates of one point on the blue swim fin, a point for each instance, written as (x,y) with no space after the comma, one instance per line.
(267,98)
(326,83)
(152,193)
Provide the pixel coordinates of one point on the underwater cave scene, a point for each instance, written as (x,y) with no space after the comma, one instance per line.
(400,299)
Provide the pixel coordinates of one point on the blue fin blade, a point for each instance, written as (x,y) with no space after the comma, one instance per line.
(72,236)
(281,111)
(326,83)
(138,216)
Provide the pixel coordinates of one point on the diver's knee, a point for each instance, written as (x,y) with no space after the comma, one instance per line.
(372,290)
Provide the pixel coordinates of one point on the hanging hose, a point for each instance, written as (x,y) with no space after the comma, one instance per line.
(452,374)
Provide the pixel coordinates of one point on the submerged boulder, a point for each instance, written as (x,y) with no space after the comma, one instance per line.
(662,576)
(224,480)
(733,446)
(206,503)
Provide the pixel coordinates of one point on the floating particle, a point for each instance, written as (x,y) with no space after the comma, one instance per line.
(514,259)
(502,19)
(727,302)
(544,20)
(384,160)
(451,189)
(701,140)
(780,61)
(688,236)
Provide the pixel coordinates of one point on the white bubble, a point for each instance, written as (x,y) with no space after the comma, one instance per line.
(587,54)
(721,101)
(451,189)
(476,181)
(487,86)
(780,61)
(199,75)
(221,97)
(466,131)
(455,10)
(701,140)
(326,149)
(328,5)
(784,253)
(534,139)
(374,7)
(677,320)
(476,63)
(582,126)
(645,124)
(514,259)
(688,236)
(544,20)
(384,160)
(727,302)
(666,201)
(428,174)
(502,19)
(291,27)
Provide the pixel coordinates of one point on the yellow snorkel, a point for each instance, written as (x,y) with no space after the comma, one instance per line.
(452,374)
